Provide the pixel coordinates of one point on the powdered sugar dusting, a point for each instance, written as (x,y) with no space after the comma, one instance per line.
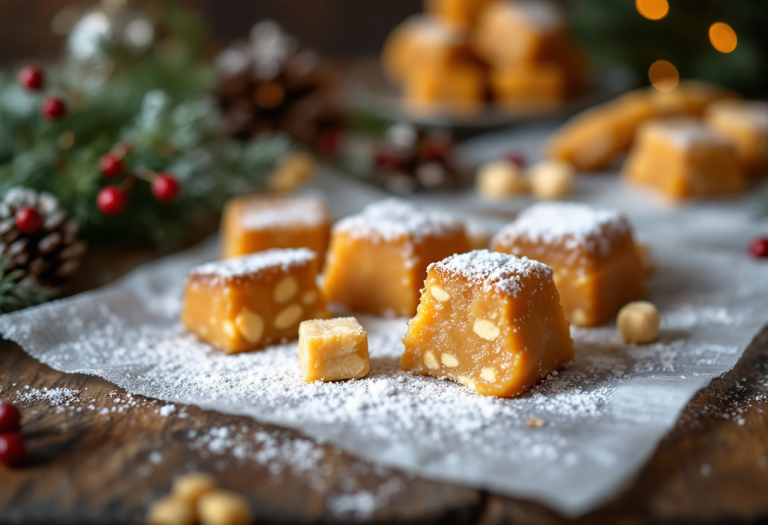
(270,212)
(541,14)
(499,271)
(567,225)
(390,219)
(253,264)
(684,132)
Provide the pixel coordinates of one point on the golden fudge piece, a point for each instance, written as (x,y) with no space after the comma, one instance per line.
(257,222)
(593,138)
(489,321)
(378,259)
(689,98)
(422,42)
(456,87)
(520,86)
(683,158)
(591,251)
(745,124)
(246,303)
(462,13)
(333,349)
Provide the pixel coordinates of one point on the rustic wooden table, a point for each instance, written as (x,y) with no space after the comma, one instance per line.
(101,456)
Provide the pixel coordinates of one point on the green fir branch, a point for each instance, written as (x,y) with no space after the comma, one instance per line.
(17,291)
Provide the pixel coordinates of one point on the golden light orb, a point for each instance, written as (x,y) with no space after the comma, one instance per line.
(652,9)
(723,37)
(663,75)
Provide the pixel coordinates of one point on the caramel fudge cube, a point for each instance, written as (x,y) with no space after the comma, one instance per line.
(333,349)
(422,42)
(256,222)
(689,98)
(542,84)
(378,259)
(683,158)
(455,87)
(489,321)
(593,138)
(246,303)
(596,266)
(745,124)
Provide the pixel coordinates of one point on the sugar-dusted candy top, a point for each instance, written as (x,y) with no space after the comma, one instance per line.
(539,14)
(750,113)
(430,28)
(221,272)
(683,132)
(269,212)
(391,219)
(568,226)
(494,270)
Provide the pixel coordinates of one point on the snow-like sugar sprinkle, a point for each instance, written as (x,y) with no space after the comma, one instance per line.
(496,270)
(390,219)
(281,212)
(255,263)
(572,226)
(53,396)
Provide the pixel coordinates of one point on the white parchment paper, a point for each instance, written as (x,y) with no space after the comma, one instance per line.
(604,415)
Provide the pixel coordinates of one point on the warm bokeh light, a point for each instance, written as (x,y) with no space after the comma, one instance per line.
(663,75)
(723,37)
(652,9)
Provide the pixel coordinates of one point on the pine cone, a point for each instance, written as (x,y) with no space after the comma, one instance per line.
(52,253)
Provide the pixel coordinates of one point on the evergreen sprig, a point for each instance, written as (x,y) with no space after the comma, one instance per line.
(17,292)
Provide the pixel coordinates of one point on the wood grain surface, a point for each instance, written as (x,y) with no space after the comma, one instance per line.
(92,463)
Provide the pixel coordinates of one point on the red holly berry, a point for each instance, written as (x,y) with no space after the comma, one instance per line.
(10,418)
(329,141)
(28,219)
(31,77)
(433,150)
(165,187)
(518,159)
(111,200)
(53,108)
(13,452)
(110,166)
(388,160)
(759,247)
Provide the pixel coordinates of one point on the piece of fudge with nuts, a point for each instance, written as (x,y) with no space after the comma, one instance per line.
(333,349)
(596,265)
(246,303)
(490,321)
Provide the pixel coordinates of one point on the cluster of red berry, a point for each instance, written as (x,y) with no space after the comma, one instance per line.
(759,247)
(32,78)
(13,451)
(112,199)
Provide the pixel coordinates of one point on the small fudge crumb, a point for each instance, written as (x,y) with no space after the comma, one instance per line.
(192,486)
(247,266)
(535,422)
(171,510)
(551,179)
(638,322)
(571,225)
(390,219)
(500,271)
(333,349)
(222,507)
(500,179)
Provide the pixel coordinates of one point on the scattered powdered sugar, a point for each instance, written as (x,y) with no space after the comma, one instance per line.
(248,265)
(390,219)
(570,225)
(503,272)
(53,396)
(270,212)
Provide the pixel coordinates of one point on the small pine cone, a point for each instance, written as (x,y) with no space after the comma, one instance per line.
(52,253)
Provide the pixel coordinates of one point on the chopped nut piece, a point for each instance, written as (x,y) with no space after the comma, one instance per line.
(535,422)
(286,289)
(171,510)
(193,485)
(449,360)
(551,179)
(486,329)
(500,180)
(288,317)
(638,322)
(232,304)
(222,507)
(310,297)
(525,333)
(333,350)
(439,293)
(250,324)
